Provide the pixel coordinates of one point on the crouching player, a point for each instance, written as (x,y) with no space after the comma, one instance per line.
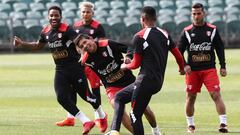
(105,58)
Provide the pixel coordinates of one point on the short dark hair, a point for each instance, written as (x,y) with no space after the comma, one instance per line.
(198,5)
(149,13)
(56,8)
(80,37)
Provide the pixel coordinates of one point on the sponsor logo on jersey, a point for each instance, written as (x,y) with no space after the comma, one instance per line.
(205,46)
(209,33)
(115,76)
(80,80)
(77,31)
(201,57)
(91,31)
(47,37)
(104,54)
(193,35)
(55,44)
(60,54)
(109,68)
(59,35)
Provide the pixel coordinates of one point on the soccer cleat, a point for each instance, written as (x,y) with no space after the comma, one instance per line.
(112,132)
(191,129)
(87,126)
(223,128)
(66,122)
(102,124)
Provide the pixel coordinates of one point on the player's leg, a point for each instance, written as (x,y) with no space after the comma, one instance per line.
(144,88)
(152,121)
(94,82)
(63,90)
(125,119)
(212,83)
(83,90)
(193,83)
(111,92)
(140,99)
(70,120)
(121,98)
(189,106)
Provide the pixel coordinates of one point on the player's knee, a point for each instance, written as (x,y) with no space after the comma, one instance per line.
(216,96)
(118,98)
(61,99)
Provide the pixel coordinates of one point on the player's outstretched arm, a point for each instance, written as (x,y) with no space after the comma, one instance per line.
(19,43)
(135,63)
(179,58)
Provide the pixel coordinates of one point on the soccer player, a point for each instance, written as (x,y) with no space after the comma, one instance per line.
(105,58)
(200,39)
(151,52)
(93,28)
(69,73)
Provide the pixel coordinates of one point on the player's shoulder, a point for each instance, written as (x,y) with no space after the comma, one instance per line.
(62,28)
(211,25)
(103,42)
(141,33)
(189,27)
(95,24)
(46,29)
(164,32)
(78,23)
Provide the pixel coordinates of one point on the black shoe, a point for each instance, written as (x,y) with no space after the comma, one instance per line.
(191,129)
(223,128)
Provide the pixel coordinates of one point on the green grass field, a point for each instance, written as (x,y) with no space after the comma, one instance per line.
(28,104)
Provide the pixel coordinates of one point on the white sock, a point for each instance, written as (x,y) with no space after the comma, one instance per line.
(223,119)
(156,131)
(190,120)
(82,117)
(99,113)
(69,115)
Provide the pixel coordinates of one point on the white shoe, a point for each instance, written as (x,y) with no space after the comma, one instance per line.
(112,132)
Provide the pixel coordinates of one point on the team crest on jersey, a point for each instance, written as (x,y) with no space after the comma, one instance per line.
(47,37)
(59,35)
(77,31)
(91,31)
(208,33)
(104,54)
(193,35)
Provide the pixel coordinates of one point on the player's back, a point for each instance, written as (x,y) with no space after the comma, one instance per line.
(155,53)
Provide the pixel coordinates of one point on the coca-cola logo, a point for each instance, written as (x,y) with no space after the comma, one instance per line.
(205,46)
(109,68)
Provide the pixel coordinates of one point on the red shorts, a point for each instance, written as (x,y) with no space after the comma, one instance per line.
(207,77)
(111,92)
(92,77)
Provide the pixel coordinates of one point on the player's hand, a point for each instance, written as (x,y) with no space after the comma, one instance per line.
(79,50)
(223,72)
(182,72)
(17,41)
(124,66)
(187,69)
(127,60)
